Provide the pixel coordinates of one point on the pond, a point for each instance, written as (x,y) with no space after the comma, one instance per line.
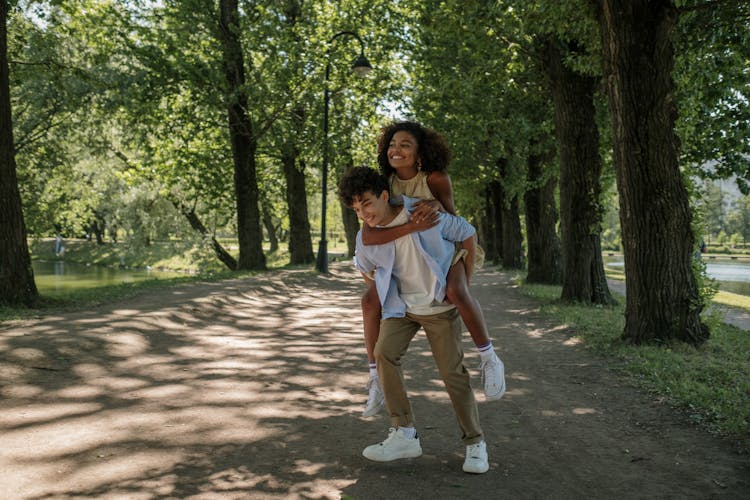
(55,277)
(732,275)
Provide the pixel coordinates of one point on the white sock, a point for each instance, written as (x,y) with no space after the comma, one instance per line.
(373,370)
(486,351)
(408,432)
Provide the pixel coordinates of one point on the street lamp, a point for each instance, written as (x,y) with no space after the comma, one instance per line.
(361,67)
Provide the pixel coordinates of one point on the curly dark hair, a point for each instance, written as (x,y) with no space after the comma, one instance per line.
(359,180)
(432,147)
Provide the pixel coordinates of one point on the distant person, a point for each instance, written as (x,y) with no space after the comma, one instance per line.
(414,159)
(410,278)
(59,248)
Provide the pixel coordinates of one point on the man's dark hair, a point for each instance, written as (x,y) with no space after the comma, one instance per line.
(359,180)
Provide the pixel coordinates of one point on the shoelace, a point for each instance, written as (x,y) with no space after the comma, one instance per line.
(391,435)
(373,389)
(493,367)
(482,366)
(474,450)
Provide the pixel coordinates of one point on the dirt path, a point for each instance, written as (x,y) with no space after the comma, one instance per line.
(253,389)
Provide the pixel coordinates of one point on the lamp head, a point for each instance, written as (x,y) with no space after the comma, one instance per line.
(361,66)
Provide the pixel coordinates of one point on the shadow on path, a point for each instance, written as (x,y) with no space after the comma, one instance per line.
(253,388)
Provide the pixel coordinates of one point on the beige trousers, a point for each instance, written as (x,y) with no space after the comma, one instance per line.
(444,335)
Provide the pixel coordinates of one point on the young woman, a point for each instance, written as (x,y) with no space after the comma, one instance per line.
(414,159)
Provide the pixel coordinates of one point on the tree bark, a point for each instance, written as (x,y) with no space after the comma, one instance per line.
(244,143)
(196,224)
(580,188)
(351,224)
(273,240)
(544,254)
(17,286)
(300,239)
(512,237)
(495,203)
(662,299)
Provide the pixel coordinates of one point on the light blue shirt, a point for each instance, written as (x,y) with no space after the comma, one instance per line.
(436,245)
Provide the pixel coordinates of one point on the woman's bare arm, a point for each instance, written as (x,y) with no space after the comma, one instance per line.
(441,188)
(381,235)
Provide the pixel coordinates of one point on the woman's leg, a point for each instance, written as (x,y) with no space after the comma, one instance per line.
(493,370)
(457,291)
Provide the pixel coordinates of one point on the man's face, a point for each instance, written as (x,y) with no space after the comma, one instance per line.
(372,210)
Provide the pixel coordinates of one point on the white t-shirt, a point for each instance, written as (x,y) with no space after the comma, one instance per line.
(416,281)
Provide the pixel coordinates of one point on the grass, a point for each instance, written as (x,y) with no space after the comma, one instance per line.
(194,262)
(732,300)
(710,383)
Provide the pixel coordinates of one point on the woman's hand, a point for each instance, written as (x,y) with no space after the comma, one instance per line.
(424,217)
(433,205)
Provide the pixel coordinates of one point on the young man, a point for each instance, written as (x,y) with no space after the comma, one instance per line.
(410,278)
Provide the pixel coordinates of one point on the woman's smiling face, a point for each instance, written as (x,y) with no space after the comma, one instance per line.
(403,150)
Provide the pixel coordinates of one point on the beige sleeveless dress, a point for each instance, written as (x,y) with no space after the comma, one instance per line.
(417,187)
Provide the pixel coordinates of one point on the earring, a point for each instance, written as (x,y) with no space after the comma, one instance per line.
(419,163)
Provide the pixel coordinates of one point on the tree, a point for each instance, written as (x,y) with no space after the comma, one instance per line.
(243,139)
(580,170)
(738,219)
(662,300)
(712,49)
(17,284)
(713,207)
(544,254)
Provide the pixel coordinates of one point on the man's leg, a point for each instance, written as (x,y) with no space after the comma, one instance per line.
(393,341)
(402,441)
(444,334)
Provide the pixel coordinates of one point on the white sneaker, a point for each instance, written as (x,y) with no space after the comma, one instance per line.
(375,398)
(394,447)
(476,461)
(493,377)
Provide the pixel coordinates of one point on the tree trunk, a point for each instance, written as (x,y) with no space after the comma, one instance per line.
(351,228)
(662,299)
(98,230)
(243,141)
(351,224)
(512,237)
(196,224)
(580,188)
(17,286)
(544,255)
(300,239)
(270,228)
(496,202)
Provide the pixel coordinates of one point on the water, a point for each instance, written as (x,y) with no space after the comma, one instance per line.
(55,277)
(732,275)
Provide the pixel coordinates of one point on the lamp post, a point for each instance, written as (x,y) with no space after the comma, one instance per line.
(361,67)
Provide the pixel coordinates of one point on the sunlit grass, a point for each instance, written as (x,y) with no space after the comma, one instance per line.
(732,300)
(194,264)
(710,383)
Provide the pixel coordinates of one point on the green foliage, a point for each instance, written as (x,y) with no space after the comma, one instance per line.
(711,72)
